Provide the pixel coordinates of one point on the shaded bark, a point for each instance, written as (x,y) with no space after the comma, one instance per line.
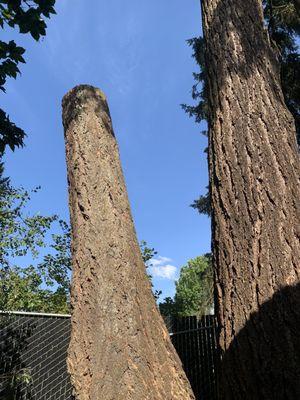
(120,348)
(254,178)
(297,6)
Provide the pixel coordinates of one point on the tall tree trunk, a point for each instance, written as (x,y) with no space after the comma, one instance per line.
(120,348)
(254,177)
(297,6)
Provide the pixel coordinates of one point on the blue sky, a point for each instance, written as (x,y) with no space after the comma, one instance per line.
(135,51)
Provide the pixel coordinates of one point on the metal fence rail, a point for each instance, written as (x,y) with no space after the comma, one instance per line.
(195,343)
(33,351)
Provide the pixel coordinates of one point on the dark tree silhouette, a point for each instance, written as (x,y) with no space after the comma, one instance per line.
(270,368)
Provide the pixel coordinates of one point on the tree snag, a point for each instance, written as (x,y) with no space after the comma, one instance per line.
(120,348)
(254,178)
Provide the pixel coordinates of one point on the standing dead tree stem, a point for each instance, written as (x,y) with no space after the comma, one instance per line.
(120,348)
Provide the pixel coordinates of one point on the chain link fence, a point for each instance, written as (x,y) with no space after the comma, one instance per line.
(33,352)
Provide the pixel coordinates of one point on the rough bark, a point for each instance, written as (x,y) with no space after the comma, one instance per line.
(120,348)
(254,177)
(297,6)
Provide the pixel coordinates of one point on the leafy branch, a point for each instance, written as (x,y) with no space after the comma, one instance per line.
(29,17)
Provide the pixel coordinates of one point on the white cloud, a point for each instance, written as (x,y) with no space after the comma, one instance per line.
(164,271)
(160,268)
(159,260)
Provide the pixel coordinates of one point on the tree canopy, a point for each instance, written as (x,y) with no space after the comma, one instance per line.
(35,255)
(29,16)
(194,290)
(35,263)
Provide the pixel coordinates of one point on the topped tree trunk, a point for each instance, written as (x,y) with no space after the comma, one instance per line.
(255,192)
(120,348)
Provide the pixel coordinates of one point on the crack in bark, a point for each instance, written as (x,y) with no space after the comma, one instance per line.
(254,180)
(120,349)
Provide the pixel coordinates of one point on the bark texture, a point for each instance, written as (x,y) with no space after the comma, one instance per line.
(297,6)
(254,176)
(120,348)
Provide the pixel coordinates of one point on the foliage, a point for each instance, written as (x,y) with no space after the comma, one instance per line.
(284,27)
(15,380)
(283,23)
(200,110)
(199,89)
(29,16)
(194,289)
(168,307)
(22,289)
(203,204)
(147,254)
(44,285)
(14,376)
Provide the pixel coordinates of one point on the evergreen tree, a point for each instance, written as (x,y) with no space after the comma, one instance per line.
(283,24)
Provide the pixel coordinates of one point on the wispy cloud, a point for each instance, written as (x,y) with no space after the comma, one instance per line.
(161,268)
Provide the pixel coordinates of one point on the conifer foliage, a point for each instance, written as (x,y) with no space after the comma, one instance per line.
(282,18)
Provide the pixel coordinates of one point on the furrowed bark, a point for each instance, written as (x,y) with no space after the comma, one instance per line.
(120,348)
(254,178)
(297,6)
